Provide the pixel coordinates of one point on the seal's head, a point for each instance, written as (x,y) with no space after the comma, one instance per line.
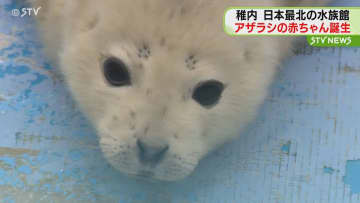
(161,81)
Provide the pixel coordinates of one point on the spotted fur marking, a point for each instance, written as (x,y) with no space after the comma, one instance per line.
(190,62)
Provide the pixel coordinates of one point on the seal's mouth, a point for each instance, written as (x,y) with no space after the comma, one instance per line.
(144,175)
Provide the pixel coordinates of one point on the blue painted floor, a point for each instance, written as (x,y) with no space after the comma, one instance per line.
(303,147)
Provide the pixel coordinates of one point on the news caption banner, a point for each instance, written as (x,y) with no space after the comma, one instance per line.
(322,26)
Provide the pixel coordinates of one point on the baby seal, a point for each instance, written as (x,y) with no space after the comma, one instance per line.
(159,79)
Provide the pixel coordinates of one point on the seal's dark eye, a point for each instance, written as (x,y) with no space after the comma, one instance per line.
(116,72)
(208,93)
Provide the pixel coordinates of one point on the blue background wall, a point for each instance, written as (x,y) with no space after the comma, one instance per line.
(303,147)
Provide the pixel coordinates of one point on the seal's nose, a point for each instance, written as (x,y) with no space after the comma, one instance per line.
(149,153)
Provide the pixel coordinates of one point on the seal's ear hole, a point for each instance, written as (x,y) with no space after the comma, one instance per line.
(208,93)
(116,72)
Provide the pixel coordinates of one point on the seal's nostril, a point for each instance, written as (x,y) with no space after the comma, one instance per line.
(151,154)
(141,146)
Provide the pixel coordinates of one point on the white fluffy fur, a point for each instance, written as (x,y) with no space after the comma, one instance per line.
(158,107)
